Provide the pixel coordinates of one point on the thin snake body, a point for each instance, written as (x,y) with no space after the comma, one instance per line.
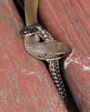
(55,74)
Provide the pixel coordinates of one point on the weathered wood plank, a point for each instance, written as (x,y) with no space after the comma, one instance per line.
(25,84)
(69,21)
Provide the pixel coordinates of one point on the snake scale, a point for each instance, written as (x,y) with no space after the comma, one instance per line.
(40,44)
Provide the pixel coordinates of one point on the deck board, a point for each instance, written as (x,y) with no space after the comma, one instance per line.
(69,21)
(25,84)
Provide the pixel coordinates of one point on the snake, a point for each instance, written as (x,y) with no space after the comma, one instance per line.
(41,45)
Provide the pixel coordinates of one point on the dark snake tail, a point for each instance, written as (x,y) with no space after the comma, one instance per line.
(55,74)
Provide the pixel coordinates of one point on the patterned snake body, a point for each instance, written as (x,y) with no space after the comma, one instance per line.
(55,74)
(49,50)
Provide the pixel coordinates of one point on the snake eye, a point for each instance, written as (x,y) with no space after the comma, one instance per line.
(61,55)
(33,30)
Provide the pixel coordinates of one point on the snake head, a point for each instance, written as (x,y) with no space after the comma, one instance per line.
(30,30)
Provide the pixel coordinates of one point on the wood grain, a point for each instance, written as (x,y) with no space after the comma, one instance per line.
(69,21)
(25,84)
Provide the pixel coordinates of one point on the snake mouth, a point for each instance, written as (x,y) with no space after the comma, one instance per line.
(28,34)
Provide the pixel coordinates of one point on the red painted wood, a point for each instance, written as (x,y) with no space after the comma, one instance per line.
(25,84)
(69,21)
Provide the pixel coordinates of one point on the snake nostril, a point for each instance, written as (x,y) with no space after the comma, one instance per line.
(61,55)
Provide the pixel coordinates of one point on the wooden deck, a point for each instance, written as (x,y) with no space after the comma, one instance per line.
(69,21)
(25,84)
